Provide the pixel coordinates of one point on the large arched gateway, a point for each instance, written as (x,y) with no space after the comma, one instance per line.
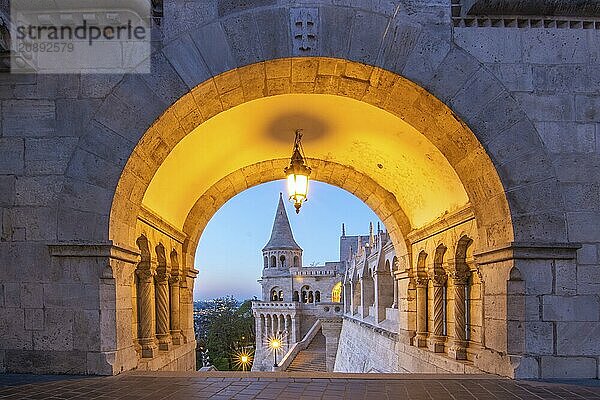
(456,142)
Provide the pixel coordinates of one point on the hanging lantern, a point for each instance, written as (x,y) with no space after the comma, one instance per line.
(297,174)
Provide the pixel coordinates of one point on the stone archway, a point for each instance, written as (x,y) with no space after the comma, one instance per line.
(485,165)
(370,85)
(338,79)
(109,140)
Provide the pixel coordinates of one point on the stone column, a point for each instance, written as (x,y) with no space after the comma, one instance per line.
(294,330)
(396,283)
(421,338)
(393,272)
(146,307)
(331,328)
(268,327)
(258,328)
(163,332)
(176,335)
(287,330)
(458,350)
(438,339)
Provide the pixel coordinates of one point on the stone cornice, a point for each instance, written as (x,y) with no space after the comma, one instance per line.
(527,251)
(449,221)
(94,249)
(192,272)
(147,216)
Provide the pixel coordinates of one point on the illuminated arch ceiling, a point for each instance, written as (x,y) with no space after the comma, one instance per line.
(337,129)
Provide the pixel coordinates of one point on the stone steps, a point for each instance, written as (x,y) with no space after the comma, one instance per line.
(312,359)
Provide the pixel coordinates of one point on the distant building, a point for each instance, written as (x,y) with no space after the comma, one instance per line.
(295,299)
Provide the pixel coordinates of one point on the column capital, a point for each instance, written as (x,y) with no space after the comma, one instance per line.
(145,274)
(422,281)
(460,277)
(439,279)
(162,277)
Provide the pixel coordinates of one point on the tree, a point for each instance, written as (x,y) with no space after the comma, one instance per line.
(230,327)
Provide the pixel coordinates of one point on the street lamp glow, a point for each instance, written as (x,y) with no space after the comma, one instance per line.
(275,344)
(242,359)
(297,174)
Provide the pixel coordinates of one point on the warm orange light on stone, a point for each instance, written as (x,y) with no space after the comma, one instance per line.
(339,129)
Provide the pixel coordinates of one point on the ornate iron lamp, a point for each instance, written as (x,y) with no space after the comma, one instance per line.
(297,174)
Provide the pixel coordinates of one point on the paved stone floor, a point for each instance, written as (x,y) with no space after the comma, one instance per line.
(298,386)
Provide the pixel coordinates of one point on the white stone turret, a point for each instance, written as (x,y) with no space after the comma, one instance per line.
(281,251)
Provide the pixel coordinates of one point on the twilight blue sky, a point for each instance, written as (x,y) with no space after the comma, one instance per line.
(229,255)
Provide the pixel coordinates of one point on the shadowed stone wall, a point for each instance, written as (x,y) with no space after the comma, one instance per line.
(530,95)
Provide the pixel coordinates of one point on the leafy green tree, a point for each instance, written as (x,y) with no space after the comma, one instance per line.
(231,328)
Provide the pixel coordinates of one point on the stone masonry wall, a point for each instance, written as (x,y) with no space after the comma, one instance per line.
(530,95)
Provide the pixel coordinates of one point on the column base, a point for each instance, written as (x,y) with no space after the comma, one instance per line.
(421,339)
(437,344)
(149,348)
(164,341)
(458,350)
(176,337)
(407,337)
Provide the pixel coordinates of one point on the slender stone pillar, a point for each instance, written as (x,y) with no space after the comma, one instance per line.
(163,332)
(259,320)
(438,340)
(176,334)
(146,307)
(331,328)
(396,283)
(458,350)
(269,321)
(287,330)
(394,272)
(294,330)
(422,333)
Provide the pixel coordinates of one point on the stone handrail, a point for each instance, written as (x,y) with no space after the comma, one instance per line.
(297,347)
(274,304)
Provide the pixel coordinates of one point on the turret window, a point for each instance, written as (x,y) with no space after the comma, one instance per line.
(282,261)
(273,261)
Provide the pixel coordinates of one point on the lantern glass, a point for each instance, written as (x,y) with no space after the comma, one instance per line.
(297,186)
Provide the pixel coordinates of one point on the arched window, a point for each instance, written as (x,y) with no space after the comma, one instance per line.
(295,296)
(273,261)
(280,295)
(311,298)
(464,285)
(274,296)
(336,293)
(304,296)
(317,297)
(282,261)
(266,261)
(296,261)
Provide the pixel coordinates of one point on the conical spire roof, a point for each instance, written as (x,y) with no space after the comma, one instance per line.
(281,235)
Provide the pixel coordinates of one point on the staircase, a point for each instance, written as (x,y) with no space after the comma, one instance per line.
(312,359)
